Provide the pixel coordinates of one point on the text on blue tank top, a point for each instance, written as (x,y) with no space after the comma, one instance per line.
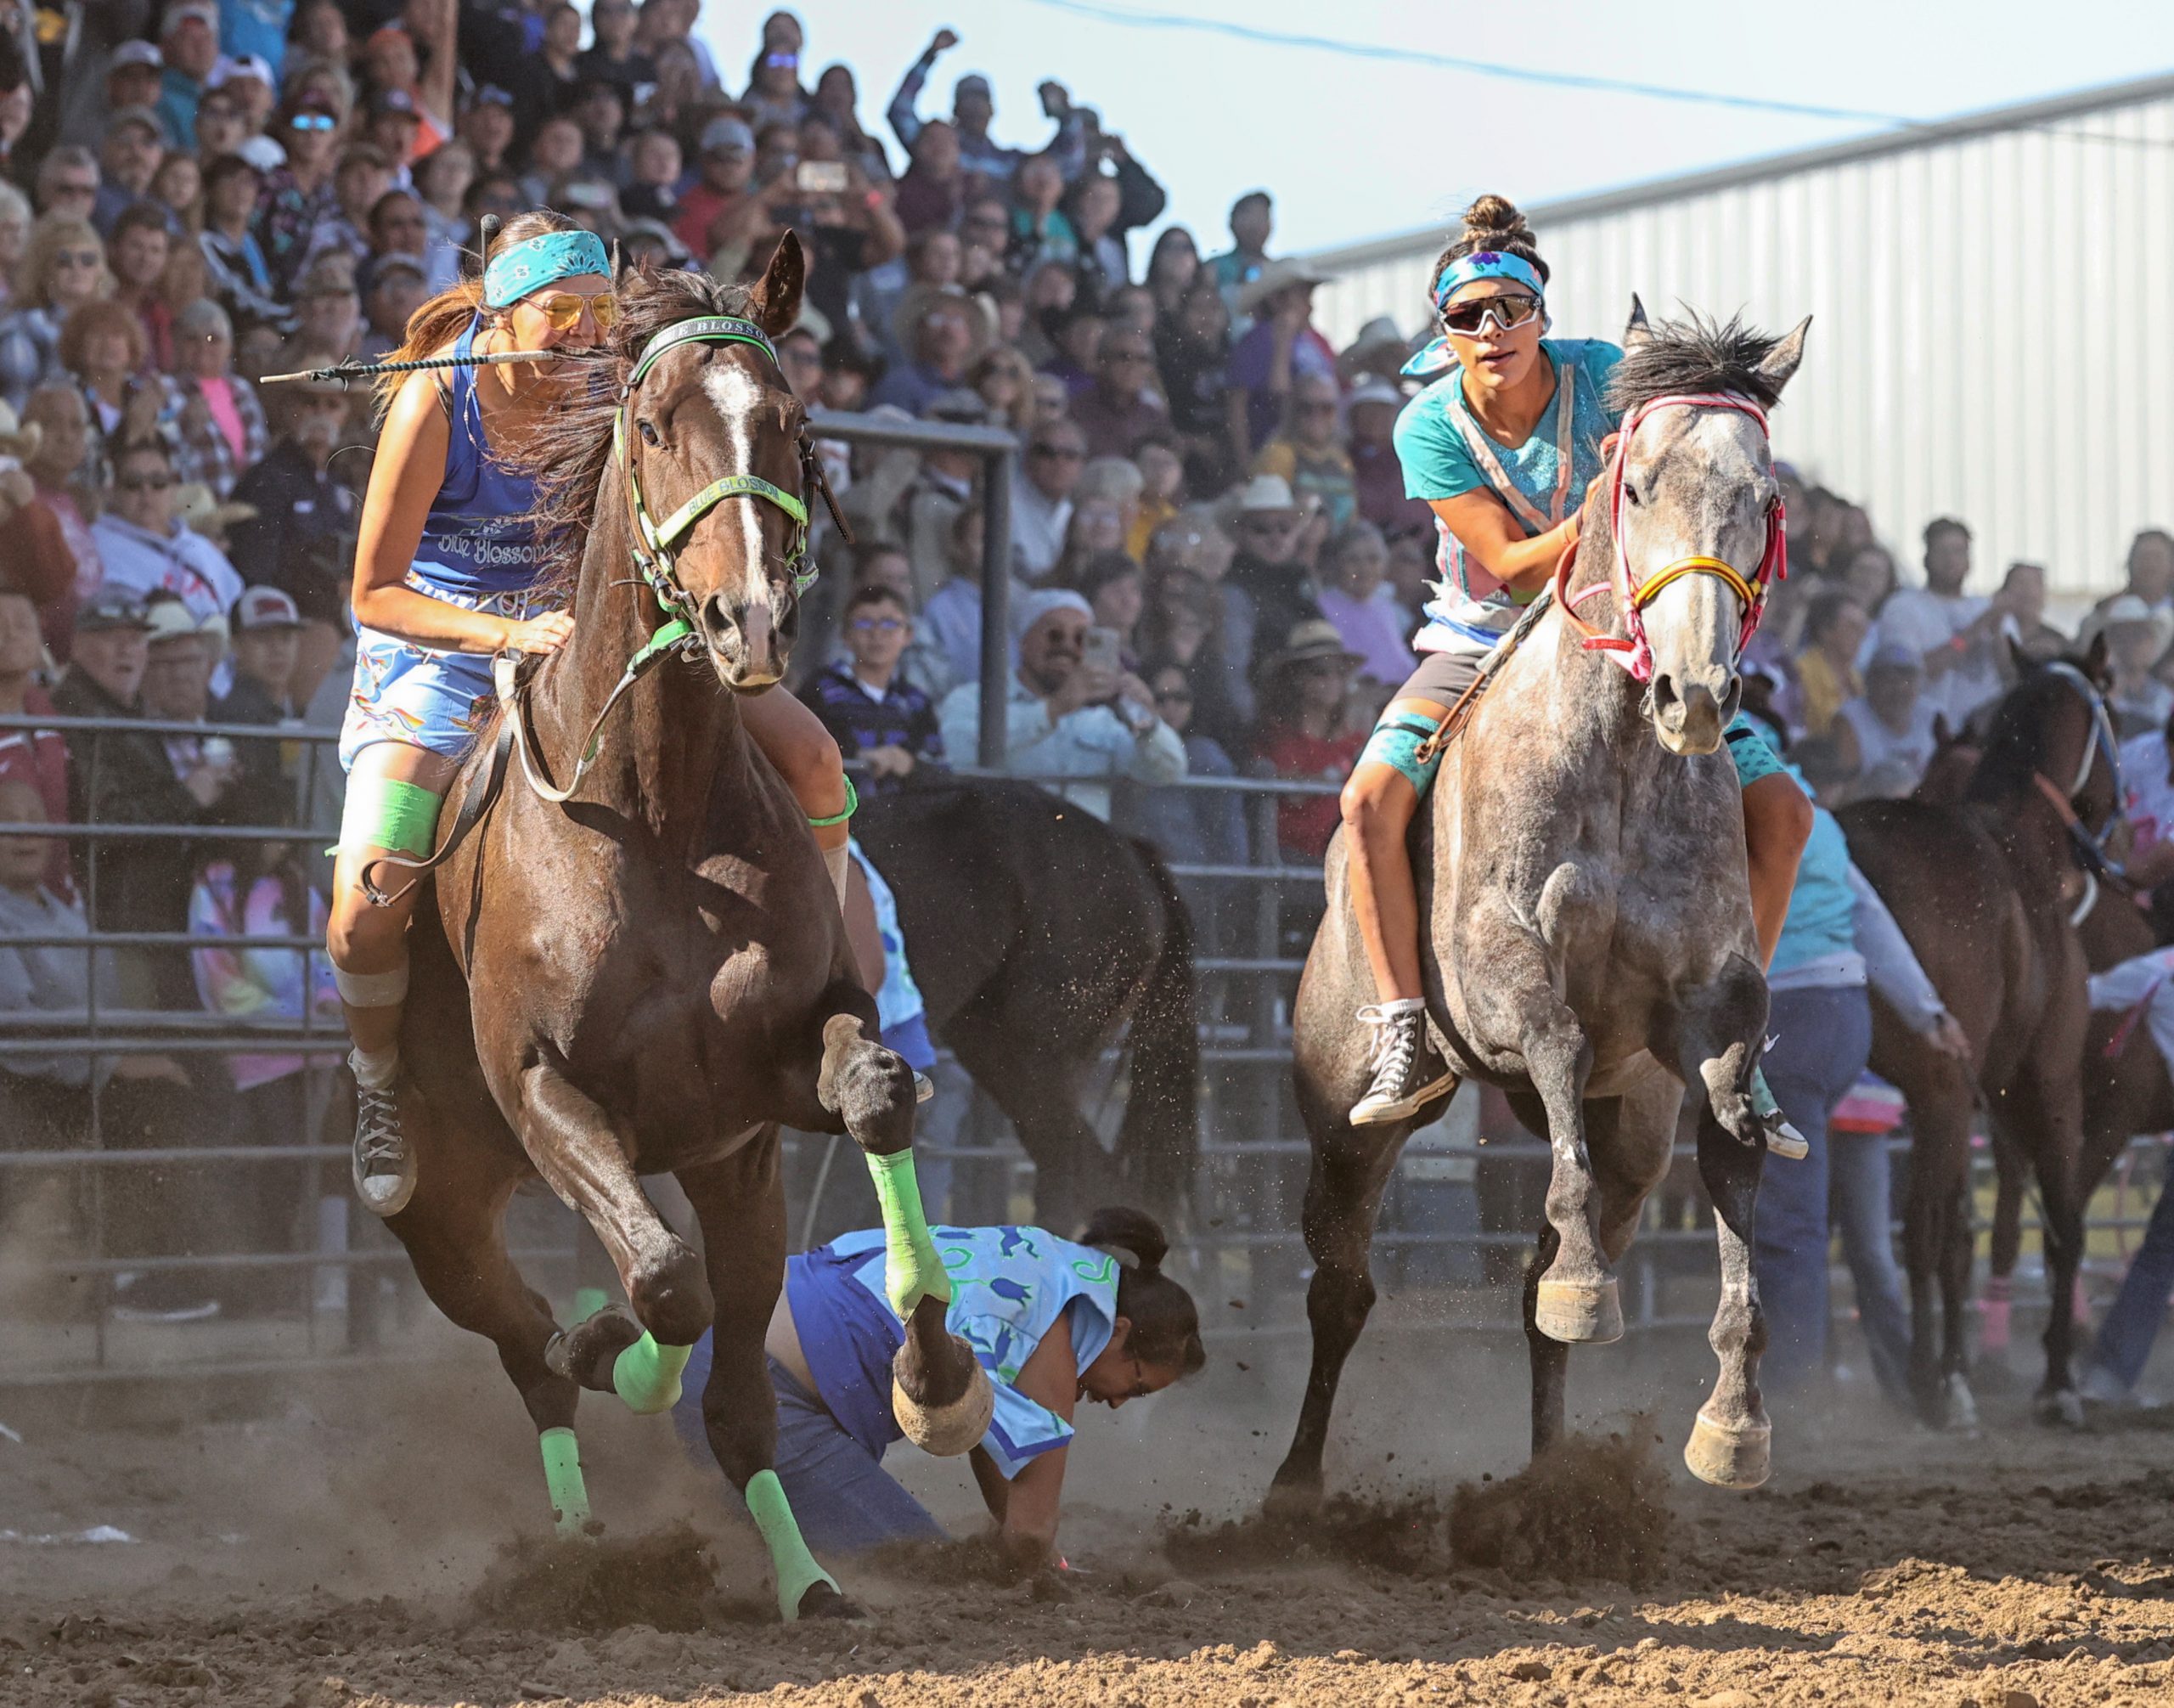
(477,540)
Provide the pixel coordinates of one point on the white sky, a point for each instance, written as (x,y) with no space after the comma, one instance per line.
(1354,148)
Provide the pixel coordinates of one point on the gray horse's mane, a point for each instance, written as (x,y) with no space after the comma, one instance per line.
(1694,354)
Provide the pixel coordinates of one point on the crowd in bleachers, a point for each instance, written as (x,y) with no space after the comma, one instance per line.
(1216,570)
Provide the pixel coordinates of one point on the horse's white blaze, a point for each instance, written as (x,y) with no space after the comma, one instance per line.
(737,395)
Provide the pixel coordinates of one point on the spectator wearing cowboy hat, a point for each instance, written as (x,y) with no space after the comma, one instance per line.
(1066,715)
(1307,734)
(941,332)
(1379,352)
(1268,589)
(189,48)
(2137,635)
(1280,346)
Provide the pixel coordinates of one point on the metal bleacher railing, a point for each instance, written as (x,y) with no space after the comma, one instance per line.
(347,1280)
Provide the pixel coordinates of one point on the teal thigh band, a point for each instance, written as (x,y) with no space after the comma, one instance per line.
(1396,741)
(1754,759)
(382,812)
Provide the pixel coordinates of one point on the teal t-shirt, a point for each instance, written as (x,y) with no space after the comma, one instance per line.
(1471,611)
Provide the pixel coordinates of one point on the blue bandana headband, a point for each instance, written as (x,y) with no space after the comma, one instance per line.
(534,261)
(1487,263)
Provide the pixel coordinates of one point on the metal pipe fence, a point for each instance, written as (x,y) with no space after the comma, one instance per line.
(307,1280)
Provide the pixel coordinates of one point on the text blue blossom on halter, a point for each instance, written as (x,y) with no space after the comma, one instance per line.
(520,267)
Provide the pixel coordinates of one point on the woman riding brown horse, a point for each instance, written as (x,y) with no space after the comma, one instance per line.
(632,961)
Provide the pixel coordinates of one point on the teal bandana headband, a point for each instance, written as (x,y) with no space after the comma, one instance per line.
(1487,263)
(520,267)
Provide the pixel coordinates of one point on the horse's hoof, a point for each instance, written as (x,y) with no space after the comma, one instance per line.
(819,1601)
(1959,1415)
(585,1353)
(1730,1456)
(1291,1501)
(946,1431)
(2062,1409)
(1580,1312)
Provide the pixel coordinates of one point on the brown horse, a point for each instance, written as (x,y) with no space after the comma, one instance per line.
(1984,890)
(1589,942)
(652,976)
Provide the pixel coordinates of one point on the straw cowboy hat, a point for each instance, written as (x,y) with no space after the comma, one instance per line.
(195,505)
(169,619)
(17,440)
(2128,608)
(921,299)
(1379,348)
(1274,278)
(1315,638)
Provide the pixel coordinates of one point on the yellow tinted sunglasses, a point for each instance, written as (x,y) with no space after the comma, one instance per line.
(564,309)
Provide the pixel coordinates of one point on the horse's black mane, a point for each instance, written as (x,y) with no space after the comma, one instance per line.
(572,449)
(1694,354)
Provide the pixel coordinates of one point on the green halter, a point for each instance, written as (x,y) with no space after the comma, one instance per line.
(659,543)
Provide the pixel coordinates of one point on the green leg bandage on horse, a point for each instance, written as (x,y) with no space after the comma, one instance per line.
(562,1477)
(646,1375)
(913,1270)
(796,1568)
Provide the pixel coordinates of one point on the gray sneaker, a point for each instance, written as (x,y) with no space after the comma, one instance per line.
(1408,1074)
(384,1162)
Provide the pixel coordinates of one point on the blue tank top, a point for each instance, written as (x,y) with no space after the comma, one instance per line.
(477,541)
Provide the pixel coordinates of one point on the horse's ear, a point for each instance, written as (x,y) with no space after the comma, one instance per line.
(1781,360)
(1637,329)
(774,304)
(2023,662)
(1943,737)
(2094,662)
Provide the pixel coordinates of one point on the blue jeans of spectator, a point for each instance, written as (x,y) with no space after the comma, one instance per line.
(2125,1337)
(1861,1202)
(1823,1037)
(844,1500)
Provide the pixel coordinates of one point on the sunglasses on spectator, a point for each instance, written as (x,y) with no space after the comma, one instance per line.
(1061,453)
(1466,319)
(777,61)
(564,309)
(878,625)
(312,122)
(76,257)
(145,483)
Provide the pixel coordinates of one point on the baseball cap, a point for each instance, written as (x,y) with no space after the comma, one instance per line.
(245,66)
(973,83)
(491,95)
(960,407)
(393,101)
(265,607)
(109,610)
(134,53)
(203,11)
(134,115)
(727,132)
(169,619)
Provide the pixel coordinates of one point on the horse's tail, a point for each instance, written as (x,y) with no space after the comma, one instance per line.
(1158,1142)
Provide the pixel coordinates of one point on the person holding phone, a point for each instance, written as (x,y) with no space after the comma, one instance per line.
(1073,710)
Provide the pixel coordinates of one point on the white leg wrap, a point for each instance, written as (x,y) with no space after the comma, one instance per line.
(375,1069)
(373,990)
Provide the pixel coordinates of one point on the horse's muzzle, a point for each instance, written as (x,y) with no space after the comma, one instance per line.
(749,645)
(1690,710)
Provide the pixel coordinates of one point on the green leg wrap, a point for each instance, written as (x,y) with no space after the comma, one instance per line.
(587,1301)
(912,1268)
(562,1477)
(646,1375)
(1763,1103)
(796,1568)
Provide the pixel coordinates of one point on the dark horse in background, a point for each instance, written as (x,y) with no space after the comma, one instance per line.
(2127,1089)
(1036,932)
(1588,936)
(1983,889)
(653,976)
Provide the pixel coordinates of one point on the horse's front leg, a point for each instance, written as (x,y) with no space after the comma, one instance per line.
(941,1395)
(583,1157)
(739,1202)
(1576,1300)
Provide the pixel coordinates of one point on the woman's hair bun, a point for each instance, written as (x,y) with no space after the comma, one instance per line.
(1130,1230)
(1494,221)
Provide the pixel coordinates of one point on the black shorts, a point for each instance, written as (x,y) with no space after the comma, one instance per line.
(1441,676)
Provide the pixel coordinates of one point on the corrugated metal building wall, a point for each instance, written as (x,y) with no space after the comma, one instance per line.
(1994,304)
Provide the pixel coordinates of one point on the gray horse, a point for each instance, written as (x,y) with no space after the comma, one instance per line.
(1591,947)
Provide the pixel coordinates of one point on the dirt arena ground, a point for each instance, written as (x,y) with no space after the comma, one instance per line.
(381,1543)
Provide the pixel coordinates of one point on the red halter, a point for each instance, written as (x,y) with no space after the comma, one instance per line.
(1632,650)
